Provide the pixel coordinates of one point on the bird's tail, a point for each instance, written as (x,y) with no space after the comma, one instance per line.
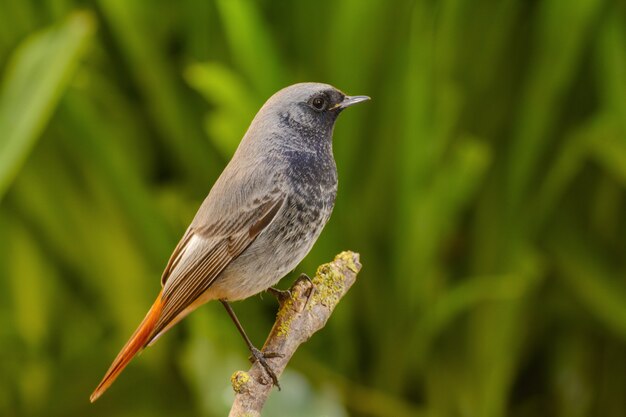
(137,342)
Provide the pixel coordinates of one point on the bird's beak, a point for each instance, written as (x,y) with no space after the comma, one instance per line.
(350,101)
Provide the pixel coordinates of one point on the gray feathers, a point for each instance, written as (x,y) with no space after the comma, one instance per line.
(260,219)
(265,211)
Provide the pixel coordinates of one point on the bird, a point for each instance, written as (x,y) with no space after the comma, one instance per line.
(259,220)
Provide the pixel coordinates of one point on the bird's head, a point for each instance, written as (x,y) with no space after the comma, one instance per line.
(309,107)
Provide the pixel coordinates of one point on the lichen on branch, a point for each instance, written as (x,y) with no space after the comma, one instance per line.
(304,312)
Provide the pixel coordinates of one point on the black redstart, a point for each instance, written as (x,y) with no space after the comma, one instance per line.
(260,219)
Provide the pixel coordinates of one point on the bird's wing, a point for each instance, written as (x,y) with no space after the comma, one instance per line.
(204,252)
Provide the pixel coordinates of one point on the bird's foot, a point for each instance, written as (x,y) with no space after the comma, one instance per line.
(305,277)
(261,357)
(281,295)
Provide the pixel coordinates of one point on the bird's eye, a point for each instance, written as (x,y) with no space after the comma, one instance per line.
(319,103)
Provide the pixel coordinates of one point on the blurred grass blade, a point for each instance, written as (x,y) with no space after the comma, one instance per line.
(31,284)
(235,105)
(497,332)
(556,58)
(447,196)
(461,299)
(609,149)
(37,74)
(612,66)
(251,44)
(168,105)
(592,279)
(92,137)
(31,281)
(564,169)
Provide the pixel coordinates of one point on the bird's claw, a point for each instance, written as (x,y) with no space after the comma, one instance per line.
(260,357)
(281,295)
(305,277)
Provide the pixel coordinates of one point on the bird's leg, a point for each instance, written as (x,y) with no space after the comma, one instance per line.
(257,355)
(281,295)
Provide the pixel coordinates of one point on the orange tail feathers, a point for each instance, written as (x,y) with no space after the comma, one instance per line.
(136,343)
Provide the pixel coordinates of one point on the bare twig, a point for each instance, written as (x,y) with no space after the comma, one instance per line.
(299,317)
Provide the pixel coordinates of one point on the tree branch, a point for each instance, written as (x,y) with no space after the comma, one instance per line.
(301,315)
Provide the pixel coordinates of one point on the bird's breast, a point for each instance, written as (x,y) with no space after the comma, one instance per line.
(309,200)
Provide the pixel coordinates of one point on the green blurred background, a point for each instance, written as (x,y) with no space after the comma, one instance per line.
(483,185)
